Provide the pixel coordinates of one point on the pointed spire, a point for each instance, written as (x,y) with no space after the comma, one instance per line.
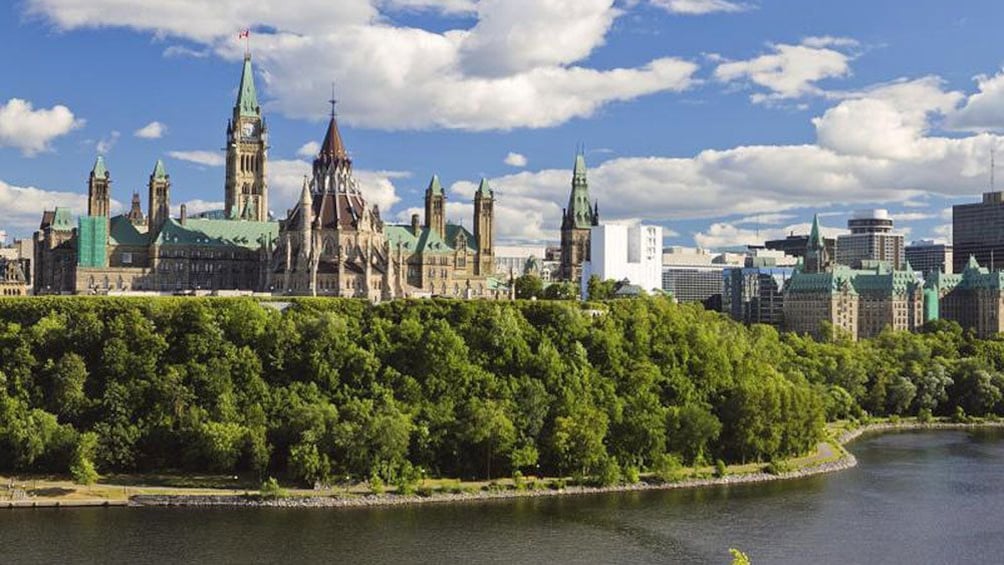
(247,96)
(434,186)
(159,172)
(483,188)
(815,236)
(305,193)
(580,165)
(332,146)
(99,170)
(972,263)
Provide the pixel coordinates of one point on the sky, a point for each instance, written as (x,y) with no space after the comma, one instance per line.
(727,122)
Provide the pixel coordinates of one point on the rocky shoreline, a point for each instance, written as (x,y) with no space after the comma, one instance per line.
(846,461)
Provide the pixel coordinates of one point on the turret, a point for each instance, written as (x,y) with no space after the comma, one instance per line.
(435,207)
(817,259)
(99,190)
(159,198)
(484,228)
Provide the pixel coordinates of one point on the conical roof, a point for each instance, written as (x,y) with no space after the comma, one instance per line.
(815,236)
(159,172)
(434,186)
(332,146)
(99,169)
(247,96)
(483,188)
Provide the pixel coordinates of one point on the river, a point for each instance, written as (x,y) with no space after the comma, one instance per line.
(915,497)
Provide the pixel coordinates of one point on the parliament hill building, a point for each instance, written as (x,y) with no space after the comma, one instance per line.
(331,243)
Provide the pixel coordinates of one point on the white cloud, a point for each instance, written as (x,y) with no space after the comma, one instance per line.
(724,234)
(764,219)
(444,6)
(790,71)
(516,67)
(515,160)
(105,144)
(984,109)
(698,7)
(309,149)
(911,216)
(30,130)
(23,206)
(152,130)
(207,158)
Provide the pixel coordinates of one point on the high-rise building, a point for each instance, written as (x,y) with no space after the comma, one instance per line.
(695,275)
(927,256)
(622,252)
(576,221)
(753,295)
(978,231)
(871,239)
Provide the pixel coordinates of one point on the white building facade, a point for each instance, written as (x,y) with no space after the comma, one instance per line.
(621,252)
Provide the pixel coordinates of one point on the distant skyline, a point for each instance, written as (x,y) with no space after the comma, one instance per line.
(725,122)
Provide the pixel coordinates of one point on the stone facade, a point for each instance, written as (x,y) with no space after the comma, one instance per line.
(576,222)
(974,298)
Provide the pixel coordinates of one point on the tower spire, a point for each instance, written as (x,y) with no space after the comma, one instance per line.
(333,101)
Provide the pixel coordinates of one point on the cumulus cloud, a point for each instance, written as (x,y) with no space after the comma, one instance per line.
(699,7)
(309,149)
(984,109)
(724,234)
(207,158)
(23,206)
(29,130)
(152,130)
(790,71)
(515,160)
(105,144)
(515,67)
(764,219)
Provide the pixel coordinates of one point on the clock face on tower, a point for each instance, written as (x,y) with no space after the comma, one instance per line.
(248,130)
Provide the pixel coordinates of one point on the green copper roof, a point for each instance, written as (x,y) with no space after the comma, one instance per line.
(123,232)
(484,189)
(579,213)
(221,233)
(62,219)
(434,186)
(815,237)
(99,169)
(247,96)
(428,240)
(159,172)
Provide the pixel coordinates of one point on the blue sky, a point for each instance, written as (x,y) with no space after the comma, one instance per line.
(725,122)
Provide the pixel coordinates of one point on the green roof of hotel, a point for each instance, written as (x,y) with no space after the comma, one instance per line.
(879,278)
(223,233)
(830,282)
(247,96)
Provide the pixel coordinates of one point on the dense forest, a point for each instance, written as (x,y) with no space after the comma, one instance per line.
(330,389)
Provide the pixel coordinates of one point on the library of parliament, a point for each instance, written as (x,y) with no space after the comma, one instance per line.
(331,243)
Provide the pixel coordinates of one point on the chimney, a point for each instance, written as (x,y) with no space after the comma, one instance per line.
(416,226)
(184,214)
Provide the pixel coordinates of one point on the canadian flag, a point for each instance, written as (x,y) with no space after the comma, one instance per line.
(244,34)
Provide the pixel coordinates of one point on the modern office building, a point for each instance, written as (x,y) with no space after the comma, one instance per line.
(620,252)
(871,239)
(695,275)
(754,295)
(927,256)
(978,231)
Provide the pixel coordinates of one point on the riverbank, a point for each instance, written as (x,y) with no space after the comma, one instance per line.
(830,456)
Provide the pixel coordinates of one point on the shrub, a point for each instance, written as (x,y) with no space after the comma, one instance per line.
(608,474)
(777,468)
(667,467)
(959,416)
(376,484)
(924,415)
(424,491)
(518,482)
(271,489)
(632,475)
(720,468)
(557,484)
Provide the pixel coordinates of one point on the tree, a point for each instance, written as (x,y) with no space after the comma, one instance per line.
(600,289)
(578,439)
(560,291)
(528,286)
(82,469)
(489,429)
